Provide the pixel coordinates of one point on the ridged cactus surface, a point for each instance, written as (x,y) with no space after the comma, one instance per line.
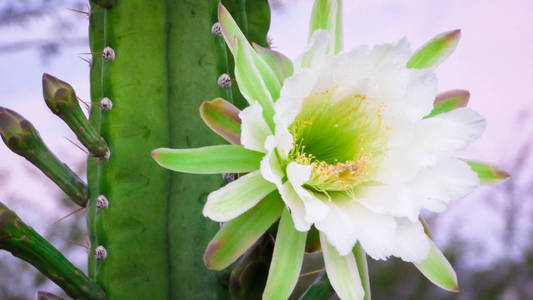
(167,61)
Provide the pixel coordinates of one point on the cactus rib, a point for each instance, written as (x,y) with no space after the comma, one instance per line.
(23,242)
(22,138)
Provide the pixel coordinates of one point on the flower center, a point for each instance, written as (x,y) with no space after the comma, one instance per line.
(342,139)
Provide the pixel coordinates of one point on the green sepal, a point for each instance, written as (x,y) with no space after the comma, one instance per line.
(209,160)
(449,101)
(251,83)
(279,63)
(312,244)
(239,234)
(435,51)
(286,260)
(62,101)
(488,174)
(223,118)
(438,270)
(362,267)
(320,289)
(327,15)
(23,242)
(22,138)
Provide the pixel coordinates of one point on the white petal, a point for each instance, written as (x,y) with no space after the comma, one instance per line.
(338,228)
(412,243)
(374,231)
(315,52)
(237,197)
(315,208)
(445,134)
(397,54)
(254,129)
(295,205)
(342,272)
(448,180)
(270,164)
(395,200)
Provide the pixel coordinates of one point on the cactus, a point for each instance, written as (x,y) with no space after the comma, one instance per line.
(153,64)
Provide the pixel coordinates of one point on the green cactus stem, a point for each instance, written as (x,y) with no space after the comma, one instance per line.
(22,138)
(167,62)
(23,242)
(61,99)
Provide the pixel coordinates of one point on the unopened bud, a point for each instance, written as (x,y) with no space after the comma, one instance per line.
(61,99)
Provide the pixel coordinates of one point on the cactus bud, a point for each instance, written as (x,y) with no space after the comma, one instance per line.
(22,138)
(61,99)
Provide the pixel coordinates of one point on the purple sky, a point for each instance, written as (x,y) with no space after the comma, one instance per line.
(494,61)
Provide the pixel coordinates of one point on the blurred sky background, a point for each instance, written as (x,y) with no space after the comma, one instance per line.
(494,61)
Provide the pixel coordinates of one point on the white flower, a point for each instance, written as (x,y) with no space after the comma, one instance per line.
(354,144)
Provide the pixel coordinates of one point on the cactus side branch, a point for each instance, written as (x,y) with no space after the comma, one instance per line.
(22,138)
(23,242)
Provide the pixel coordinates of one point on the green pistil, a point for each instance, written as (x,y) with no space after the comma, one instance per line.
(343,139)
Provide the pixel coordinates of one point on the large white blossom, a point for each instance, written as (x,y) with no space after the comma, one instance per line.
(353,144)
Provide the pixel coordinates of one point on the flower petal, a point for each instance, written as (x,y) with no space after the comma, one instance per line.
(488,174)
(239,234)
(445,134)
(223,118)
(342,272)
(438,270)
(327,15)
(435,51)
(287,260)
(315,53)
(338,228)
(295,205)
(270,164)
(237,197)
(448,180)
(411,242)
(449,101)
(254,128)
(315,208)
(209,160)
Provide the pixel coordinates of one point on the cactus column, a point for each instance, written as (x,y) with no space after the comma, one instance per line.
(165,64)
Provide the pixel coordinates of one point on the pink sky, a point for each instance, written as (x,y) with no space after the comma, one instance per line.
(494,61)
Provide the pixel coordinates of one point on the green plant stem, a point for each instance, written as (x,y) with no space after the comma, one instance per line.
(23,242)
